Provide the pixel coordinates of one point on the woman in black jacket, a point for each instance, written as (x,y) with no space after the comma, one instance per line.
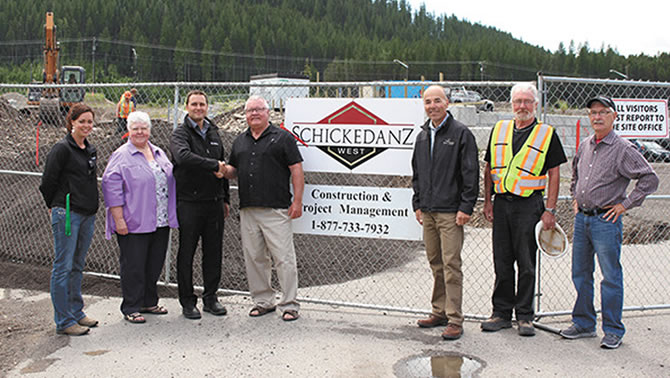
(69,188)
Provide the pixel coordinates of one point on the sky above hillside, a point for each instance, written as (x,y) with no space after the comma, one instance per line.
(630,27)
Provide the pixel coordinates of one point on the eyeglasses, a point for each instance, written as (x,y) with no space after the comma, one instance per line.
(255,110)
(524,102)
(602,113)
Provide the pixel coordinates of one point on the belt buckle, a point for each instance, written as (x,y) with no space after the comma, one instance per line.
(590,212)
(509,197)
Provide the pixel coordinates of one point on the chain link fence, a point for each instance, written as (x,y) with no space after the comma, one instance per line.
(646,250)
(373,273)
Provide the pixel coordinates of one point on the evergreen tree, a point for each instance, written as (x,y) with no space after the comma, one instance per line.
(278,35)
(207,66)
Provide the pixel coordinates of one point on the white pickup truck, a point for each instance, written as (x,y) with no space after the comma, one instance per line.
(466,97)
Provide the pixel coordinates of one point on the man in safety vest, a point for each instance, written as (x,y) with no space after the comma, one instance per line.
(123,108)
(523,160)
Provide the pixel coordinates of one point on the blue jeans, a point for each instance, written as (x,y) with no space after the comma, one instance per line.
(594,236)
(68,265)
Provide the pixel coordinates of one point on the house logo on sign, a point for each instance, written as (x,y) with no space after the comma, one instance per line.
(351,156)
(352,135)
(355,135)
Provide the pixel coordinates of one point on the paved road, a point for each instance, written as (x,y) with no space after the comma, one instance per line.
(335,342)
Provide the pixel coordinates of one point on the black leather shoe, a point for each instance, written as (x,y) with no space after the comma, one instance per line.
(191,312)
(215,308)
(495,323)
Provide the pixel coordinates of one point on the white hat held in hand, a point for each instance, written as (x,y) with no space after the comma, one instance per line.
(552,242)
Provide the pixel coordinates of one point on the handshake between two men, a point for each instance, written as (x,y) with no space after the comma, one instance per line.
(225,170)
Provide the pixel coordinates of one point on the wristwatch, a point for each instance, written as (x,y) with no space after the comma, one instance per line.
(550,210)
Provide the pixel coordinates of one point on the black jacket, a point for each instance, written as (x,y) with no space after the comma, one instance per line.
(195,160)
(70,169)
(449,182)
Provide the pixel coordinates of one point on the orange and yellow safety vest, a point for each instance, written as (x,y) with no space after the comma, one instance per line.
(125,108)
(519,174)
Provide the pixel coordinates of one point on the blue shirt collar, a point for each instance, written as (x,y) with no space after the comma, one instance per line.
(205,127)
(444,121)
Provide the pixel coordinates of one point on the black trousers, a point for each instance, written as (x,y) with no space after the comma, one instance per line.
(202,220)
(121,125)
(142,257)
(514,220)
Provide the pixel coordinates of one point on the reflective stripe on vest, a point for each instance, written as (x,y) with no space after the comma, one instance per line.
(125,108)
(519,174)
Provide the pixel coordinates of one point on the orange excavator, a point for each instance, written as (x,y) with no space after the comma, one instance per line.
(54,102)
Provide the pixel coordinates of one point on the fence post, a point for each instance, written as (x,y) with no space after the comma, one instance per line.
(317,80)
(541,108)
(175,122)
(538,278)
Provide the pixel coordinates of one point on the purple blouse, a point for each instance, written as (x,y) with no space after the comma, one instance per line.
(129,182)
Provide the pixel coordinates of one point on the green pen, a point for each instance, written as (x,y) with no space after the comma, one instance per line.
(68,221)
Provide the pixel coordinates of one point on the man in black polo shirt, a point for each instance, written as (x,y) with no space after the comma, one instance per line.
(265,159)
(202,204)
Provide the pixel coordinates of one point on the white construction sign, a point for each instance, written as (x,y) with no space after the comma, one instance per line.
(362,135)
(641,118)
(358,211)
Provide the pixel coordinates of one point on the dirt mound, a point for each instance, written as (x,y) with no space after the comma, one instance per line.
(24,225)
(16,100)
(235,122)
(18,135)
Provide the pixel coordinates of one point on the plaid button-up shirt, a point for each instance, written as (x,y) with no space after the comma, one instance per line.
(602,171)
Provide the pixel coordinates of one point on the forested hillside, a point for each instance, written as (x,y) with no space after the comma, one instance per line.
(228,40)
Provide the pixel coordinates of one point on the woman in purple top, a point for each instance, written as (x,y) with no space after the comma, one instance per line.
(141,205)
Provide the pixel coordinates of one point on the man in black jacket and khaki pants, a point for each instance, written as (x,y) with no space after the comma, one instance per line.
(446,184)
(202,204)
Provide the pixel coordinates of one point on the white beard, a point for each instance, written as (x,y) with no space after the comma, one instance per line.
(524,116)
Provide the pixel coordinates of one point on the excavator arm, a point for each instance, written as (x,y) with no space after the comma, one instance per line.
(53,101)
(51,49)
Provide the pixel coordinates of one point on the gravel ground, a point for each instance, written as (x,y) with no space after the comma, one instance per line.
(327,341)
(29,340)
(26,326)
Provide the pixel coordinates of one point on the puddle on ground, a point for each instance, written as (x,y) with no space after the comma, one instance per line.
(96,352)
(445,365)
(38,366)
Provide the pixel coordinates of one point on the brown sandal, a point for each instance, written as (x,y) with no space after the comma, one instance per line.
(156,310)
(290,315)
(257,311)
(135,318)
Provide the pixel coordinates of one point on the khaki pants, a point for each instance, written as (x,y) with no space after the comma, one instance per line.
(266,236)
(444,240)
